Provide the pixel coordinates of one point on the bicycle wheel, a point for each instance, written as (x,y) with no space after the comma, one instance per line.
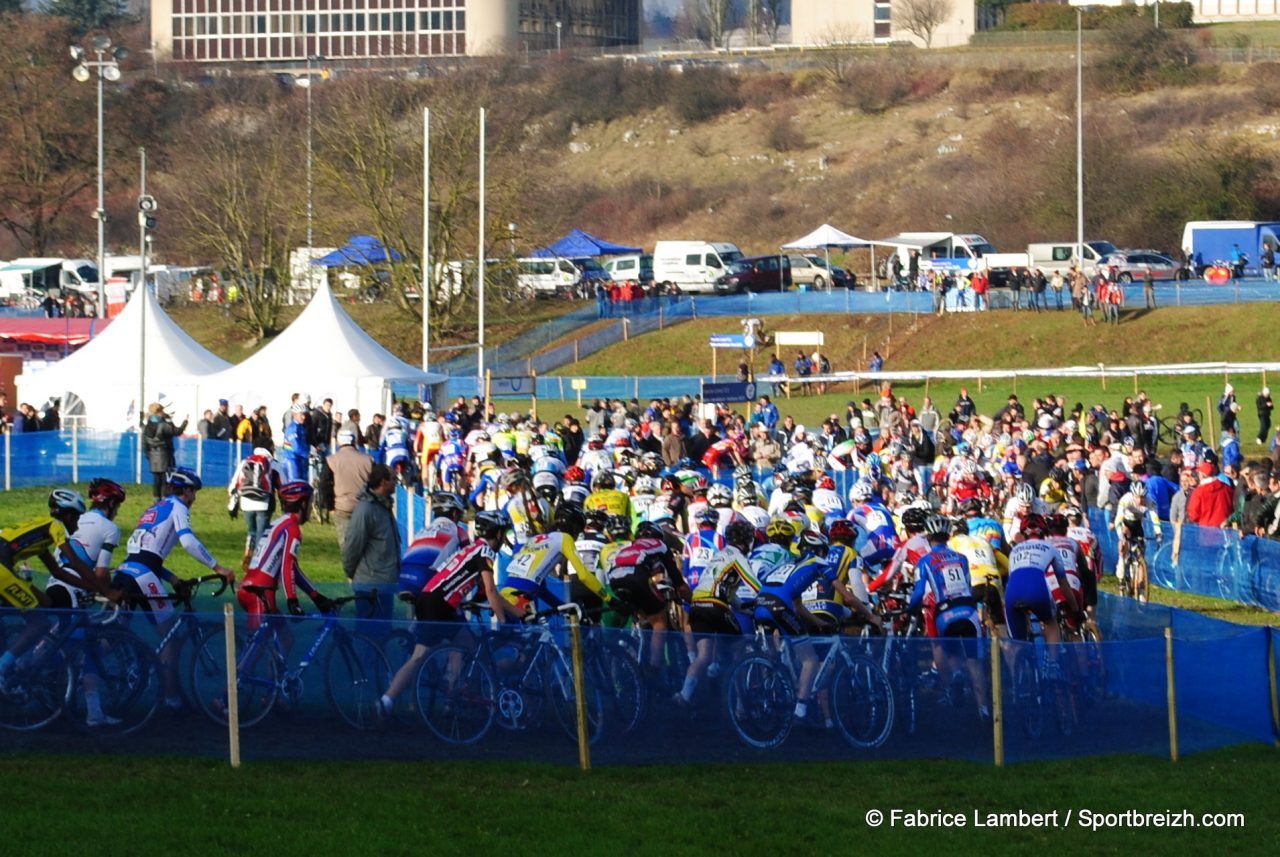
(903,679)
(188,642)
(455,695)
(1094,681)
(257,676)
(562,691)
(618,677)
(127,676)
(35,690)
(356,674)
(1026,692)
(862,700)
(760,700)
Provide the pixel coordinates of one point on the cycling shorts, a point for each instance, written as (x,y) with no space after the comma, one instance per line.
(1026,591)
(830,611)
(15,591)
(144,590)
(772,610)
(958,628)
(710,617)
(988,594)
(257,607)
(636,592)
(434,616)
(875,553)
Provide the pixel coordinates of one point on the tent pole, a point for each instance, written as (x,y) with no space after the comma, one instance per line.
(480,368)
(142,314)
(426,238)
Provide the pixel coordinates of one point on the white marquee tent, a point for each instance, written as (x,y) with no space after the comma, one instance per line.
(323,354)
(104,374)
(827,236)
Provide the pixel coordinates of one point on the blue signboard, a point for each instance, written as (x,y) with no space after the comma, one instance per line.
(738,391)
(732,340)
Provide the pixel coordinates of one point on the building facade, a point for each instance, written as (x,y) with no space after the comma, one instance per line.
(216,31)
(834,22)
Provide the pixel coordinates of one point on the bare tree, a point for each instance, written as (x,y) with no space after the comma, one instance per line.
(922,17)
(771,16)
(711,19)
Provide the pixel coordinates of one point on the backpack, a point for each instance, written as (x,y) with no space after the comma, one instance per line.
(255,481)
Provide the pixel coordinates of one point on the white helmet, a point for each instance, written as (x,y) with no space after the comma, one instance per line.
(719,496)
(861,491)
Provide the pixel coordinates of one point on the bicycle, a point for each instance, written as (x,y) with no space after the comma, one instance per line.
(1038,682)
(462,692)
(50,679)
(1131,567)
(188,633)
(760,691)
(355,669)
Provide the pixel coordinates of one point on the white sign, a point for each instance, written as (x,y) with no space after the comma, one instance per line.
(578,384)
(799,337)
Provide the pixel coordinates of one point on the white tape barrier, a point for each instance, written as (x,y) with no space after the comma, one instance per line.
(1099,370)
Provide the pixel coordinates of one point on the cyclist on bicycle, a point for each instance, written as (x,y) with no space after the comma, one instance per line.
(575,489)
(988,569)
(451,462)
(433,547)
(467,575)
(427,442)
(821,599)
(591,542)
(528,518)
(527,576)
(1078,529)
(914,546)
(720,500)
(275,561)
(1076,564)
(944,593)
(701,546)
(875,519)
(780,605)
(715,596)
(44,538)
(99,534)
(1132,511)
(984,527)
(393,450)
(645,577)
(595,459)
(605,495)
(1037,577)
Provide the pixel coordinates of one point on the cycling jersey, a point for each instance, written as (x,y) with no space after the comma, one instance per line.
(1131,514)
(452,458)
(903,558)
(828,501)
(985,565)
(274,562)
(722,578)
(989,529)
(700,548)
(727,517)
(394,447)
(31,538)
(99,535)
(611,500)
(1072,556)
(1034,569)
(589,547)
(528,518)
(527,574)
(631,571)
(943,584)
(595,461)
(160,529)
(882,537)
(62,594)
(820,598)
(640,506)
(460,574)
(431,549)
(755,516)
(430,435)
(1089,542)
(786,584)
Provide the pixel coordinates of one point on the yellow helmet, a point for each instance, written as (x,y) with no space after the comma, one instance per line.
(779,527)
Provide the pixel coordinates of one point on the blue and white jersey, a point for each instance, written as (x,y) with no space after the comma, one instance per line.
(160,529)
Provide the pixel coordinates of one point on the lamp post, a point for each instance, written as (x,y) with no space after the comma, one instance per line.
(559,25)
(511,234)
(1080,138)
(107,67)
(307,83)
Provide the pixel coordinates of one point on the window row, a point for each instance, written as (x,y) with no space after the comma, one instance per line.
(348,22)
(250,48)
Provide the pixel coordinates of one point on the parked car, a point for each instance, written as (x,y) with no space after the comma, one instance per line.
(1127,266)
(635,267)
(592,272)
(756,274)
(805,271)
(837,276)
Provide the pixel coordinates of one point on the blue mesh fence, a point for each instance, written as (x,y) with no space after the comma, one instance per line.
(307,689)
(1210,561)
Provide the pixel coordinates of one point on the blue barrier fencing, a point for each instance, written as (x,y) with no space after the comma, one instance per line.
(308,688)
(1221,563)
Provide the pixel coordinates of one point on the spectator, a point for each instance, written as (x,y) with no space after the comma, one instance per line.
(804,368)
(242,425)
(571,438)
(1178,505)
(1268,262)
(929,417)
(1056,282)
(1213,500)
(767,413)
(296,451)
(1149,289)
(1231,454)
(352,425)
(204,427)
(373,431)
(1227,406)
(320,427)
(371,547)
(220,427)
(674,447)
(765,450)
(701,441)
(877,362)
(252,491)
(1160,490)
(262,430)
(1268,523)
(351,469)
(922,451)
(777,369)
(157,440)
(1265,407)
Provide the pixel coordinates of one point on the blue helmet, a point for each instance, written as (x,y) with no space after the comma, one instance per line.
(185,478)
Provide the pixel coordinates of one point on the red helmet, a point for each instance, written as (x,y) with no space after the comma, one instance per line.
(827,483)
(105,491)
(575,474)
(295,492)
(1034,526)
(841,531)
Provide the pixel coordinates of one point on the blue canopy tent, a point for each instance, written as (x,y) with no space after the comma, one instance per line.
(359,250)
(578,245)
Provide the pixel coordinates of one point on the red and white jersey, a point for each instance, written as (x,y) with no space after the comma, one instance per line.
(1069,550)
(442,537)
(461,574)
(276,559)
(907,555)
(1089,544)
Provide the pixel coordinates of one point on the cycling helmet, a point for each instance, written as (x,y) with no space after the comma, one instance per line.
(603,481)
(1025,493)
(651,461)
(914,519)
(959,526)
(745,494)
(802,494)
(787,484)
(1057,524)
(482,437)
(1060,475)
(1034,526)
(575,475)
(813,544)
(648,530)
(544,481)
(707,516)
(936,525)
(718,496)
(184,478)
(595,443)
(842,531)
(295,492)
(971,506)
(742,473)
(827,483)
(618,527)
(66,500)
(570,519)
(780,530)
(446,503)
(794,507)
(740,534)
(513,479)
(105,491)
(1073,513)
(490,524)
(645,485)
(595,518)
(1138,488)
(861,491)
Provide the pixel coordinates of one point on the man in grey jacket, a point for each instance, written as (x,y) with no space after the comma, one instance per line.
(371,547)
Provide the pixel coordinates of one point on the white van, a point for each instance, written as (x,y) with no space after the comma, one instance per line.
(945,251)
(1058,256)
(692,265)
(547,277)
(635,267)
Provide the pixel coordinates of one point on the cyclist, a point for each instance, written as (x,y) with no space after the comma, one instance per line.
(644,576)
(1074,561)
(427,442)
(468,572)
(1036,577)
(160,529)
(592,540)
(826,498)
(451,462)
(575,489)
(527,516)
(605,495)
(644,494)
(275,561)
(715,595)
(701,546)
(1132,512)
(394,449)
(595,459)
(987,570)
(1078,529)
(98,534)
(914,546)
(433,547)
(44,538)
(780,605)
(820,599)
(944,593)
(720,500)
(747,502)
(870,514)
(526,582)
(1021,503)
(984,527)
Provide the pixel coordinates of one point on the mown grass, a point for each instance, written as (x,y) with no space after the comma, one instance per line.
(166,806)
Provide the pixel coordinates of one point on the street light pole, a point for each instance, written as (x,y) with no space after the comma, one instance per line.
(1080,139)
(310,198)
(559,24)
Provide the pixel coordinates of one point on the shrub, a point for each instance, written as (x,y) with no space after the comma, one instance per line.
(1047,17)
(1137,56)
(700,94)
(876,85)
(761,90)
(782,134)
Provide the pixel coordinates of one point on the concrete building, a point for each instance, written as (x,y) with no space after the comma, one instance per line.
(824,22)
(213,31)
